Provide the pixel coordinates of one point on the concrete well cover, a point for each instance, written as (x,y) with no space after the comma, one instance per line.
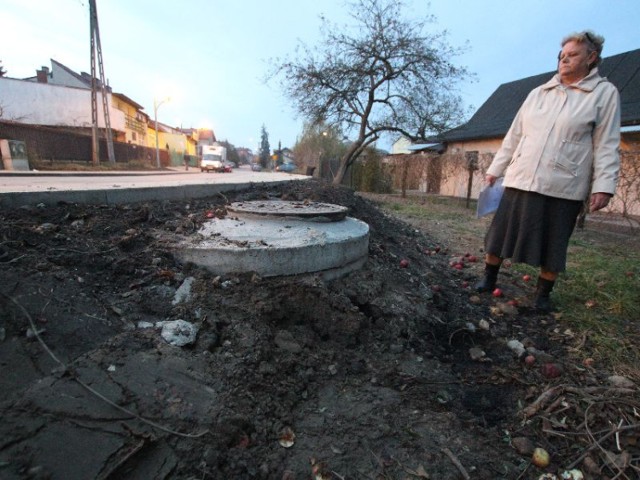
(313,211)
(274,245)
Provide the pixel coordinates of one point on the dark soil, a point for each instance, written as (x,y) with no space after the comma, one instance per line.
(371,376)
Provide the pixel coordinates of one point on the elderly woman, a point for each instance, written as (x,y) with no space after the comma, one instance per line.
(563,142)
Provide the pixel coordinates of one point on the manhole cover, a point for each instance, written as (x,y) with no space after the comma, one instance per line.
(314,211)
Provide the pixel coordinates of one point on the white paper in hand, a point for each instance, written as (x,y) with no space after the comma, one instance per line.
(489,198)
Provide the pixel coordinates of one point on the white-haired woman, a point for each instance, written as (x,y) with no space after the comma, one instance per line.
(562,146)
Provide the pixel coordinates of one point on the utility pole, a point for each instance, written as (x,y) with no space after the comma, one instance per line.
(96,47)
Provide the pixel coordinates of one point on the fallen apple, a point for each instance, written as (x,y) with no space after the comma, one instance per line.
(497,292)
(590,303)
(526,278)
(458,266)
(551,370)
(404,263)
(529,360)
(513,303)
(540,457)
(472,259)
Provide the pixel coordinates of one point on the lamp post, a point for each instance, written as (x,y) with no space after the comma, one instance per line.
(156,106)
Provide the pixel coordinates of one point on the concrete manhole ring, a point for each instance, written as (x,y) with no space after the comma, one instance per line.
(314,211)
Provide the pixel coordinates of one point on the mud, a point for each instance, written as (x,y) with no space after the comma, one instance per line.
(365,377)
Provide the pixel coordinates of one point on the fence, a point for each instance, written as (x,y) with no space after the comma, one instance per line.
(60,144)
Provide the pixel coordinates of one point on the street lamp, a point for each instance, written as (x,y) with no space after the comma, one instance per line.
(156,106)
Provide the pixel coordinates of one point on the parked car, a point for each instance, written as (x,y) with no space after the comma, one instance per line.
(256,167)
(286,167)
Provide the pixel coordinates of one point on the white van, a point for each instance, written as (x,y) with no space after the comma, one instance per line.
(213,158)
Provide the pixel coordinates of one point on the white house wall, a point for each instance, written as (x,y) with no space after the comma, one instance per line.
(60,76)
(47,104)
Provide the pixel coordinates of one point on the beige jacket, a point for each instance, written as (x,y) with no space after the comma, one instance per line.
(562,139)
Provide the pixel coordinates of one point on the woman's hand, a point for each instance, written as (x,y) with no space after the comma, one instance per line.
(490,179)
(599,200)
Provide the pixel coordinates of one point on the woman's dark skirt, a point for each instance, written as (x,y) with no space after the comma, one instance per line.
(532,228)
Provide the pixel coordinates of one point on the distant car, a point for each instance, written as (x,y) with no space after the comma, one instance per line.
(286,167)
(256,167)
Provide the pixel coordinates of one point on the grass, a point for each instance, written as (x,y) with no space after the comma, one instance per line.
(598,296)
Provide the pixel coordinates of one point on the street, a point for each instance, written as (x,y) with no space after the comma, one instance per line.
(14,181)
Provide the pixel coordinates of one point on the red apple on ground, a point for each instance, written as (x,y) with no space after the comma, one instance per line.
(529,360)
(497,292)
(404,263)
(551,370)
(526,278)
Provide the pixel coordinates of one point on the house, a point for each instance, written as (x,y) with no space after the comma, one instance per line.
(61,98)
(174,140)
(42,103)
(469,148)
(134,129)
(205,136)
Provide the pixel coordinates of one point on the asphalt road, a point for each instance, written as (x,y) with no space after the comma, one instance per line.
(23,188)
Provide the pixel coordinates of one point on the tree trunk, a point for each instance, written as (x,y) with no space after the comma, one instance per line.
(342,170)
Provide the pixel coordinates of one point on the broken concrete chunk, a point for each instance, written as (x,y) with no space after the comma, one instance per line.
(179,332)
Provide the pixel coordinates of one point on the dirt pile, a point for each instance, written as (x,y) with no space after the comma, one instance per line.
(394,371)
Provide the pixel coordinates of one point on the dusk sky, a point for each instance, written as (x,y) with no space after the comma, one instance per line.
(210,56)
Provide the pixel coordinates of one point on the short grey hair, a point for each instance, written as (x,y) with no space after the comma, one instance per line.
(592,40)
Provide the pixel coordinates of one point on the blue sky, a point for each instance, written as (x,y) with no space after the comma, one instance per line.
(210,55)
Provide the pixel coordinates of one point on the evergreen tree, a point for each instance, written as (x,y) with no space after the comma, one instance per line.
(265,148)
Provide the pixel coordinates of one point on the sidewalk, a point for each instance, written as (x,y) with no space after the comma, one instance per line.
(48,188)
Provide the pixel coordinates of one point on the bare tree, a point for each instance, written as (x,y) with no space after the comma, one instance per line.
(382,75)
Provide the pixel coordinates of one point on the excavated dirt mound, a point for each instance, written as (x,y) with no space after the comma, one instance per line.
(397,371)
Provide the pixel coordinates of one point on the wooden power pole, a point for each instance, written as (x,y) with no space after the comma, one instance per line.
(97,48)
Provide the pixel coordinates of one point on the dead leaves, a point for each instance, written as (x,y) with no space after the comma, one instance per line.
(604,421)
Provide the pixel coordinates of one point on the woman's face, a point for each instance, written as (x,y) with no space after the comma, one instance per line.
(574,62)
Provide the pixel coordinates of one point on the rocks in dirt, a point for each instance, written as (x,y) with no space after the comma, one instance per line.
(517,347)
(620,382)
(478,355)
(46,228)
(183,294)
(178,332)
(285,341)
(523,445)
